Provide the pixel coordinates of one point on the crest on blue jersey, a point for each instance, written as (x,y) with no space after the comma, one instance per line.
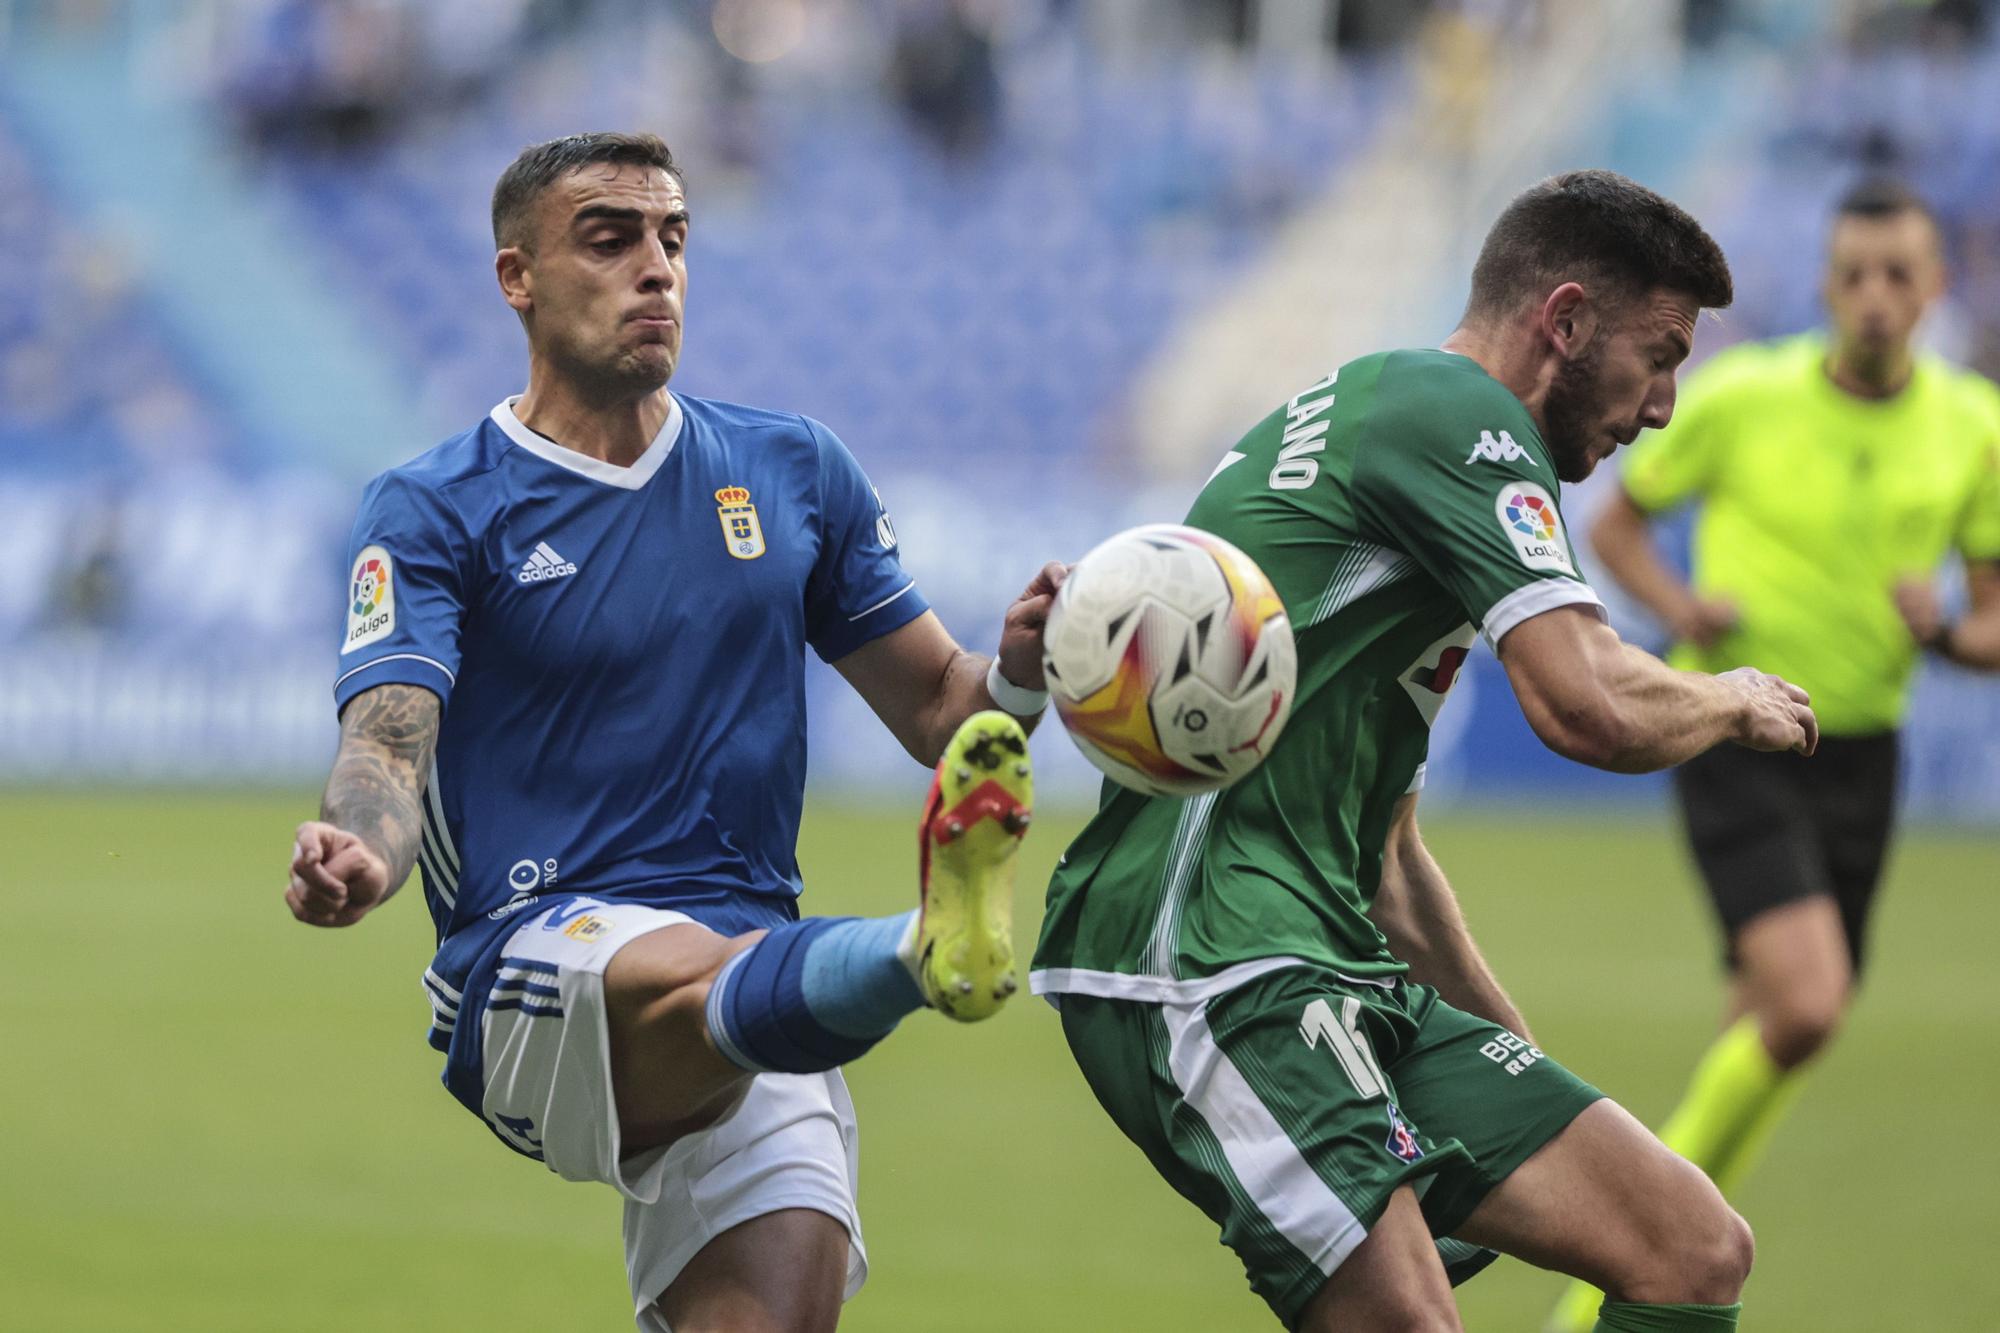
(741,532)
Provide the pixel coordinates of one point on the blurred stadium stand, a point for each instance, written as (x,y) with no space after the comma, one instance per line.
(1042,259)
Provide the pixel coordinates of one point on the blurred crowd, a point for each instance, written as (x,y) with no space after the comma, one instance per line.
(955,229)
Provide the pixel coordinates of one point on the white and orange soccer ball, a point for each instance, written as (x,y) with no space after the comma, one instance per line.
(1170,660)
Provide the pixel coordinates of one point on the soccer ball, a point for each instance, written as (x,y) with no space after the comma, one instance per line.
(1170,660)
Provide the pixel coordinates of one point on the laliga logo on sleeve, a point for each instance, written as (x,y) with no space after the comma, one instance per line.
(371,599)
(1528,515)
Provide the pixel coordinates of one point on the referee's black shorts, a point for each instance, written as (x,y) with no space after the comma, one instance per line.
(1768,829)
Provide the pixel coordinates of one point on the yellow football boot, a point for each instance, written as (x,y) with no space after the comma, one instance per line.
(980,803)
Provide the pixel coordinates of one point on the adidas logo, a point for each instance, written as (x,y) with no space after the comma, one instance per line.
(545,564)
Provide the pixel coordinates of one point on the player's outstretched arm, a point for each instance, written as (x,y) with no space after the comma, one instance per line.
(923,685)
(1415,907)
(1596,699)
(363,845)
(1622,537)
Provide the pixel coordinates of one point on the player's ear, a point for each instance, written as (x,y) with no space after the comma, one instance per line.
(1568,319)
(510,266)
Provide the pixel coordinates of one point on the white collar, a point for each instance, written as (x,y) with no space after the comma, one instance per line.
(624,478)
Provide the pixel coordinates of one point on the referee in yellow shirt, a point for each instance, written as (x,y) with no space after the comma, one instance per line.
(1835,475)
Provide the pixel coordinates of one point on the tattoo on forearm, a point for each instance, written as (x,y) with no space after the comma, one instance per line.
(387,737)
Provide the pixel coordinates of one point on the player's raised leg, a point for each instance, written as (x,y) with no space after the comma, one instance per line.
(1607,1202)
(691,1012)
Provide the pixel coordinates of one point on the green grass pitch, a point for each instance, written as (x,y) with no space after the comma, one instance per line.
(215,1119)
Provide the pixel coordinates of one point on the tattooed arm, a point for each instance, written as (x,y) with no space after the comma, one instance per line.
(361,848)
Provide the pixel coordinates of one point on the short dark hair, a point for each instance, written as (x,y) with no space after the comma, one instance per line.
(543,164)
(1881,197)
(1600,229)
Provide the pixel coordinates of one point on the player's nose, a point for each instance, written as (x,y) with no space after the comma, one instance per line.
(1658,409)
(658,274)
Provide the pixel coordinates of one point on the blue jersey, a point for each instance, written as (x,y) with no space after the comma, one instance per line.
(621,657)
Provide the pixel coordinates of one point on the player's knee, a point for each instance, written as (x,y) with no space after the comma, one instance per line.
(1799,1026)
(1727,1259)
(669,971)
(1685,1244)
(1710,1258)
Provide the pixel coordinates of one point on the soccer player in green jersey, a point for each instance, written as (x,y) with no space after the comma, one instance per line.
(1270,988)
(1835,474)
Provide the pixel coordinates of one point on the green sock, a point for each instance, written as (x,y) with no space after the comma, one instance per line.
(1733,1103)
(1622,1317)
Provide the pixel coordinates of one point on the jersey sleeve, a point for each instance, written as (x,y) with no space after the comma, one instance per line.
(1666,468)
(1483,522)
(405,593)
(858,590)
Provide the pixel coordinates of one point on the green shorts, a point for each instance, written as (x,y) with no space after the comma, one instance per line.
(1290,1108)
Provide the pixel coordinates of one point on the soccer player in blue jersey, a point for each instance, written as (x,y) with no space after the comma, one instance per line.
(572,688)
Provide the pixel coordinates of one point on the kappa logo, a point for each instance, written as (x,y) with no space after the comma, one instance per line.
(1501,450)
(371,599)
(741,532)
(544,564)
(1527,514)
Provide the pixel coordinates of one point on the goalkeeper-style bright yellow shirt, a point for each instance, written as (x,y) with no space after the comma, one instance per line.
(1814,503)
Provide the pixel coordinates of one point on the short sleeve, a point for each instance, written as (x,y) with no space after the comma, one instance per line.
(857,591)
(1478,514)
(405,593)
(1666,468)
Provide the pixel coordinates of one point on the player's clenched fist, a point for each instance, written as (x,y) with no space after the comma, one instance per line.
(336,877)
(1021,635)
(1777,715)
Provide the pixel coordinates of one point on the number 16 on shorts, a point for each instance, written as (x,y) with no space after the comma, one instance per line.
(1348,1043)
(1343,1036)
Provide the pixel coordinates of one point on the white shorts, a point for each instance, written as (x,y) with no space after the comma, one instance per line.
(546,1046)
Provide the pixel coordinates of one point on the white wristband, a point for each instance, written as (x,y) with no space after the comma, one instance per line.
(1016,700)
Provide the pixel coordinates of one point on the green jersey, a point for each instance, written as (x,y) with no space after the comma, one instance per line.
(1400,507)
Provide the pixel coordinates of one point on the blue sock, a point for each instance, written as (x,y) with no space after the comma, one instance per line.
(812,995)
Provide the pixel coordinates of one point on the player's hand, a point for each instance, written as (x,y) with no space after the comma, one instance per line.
(336,877)
(1777,714)
(1918,603)
(1704,620)
(1021,634)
